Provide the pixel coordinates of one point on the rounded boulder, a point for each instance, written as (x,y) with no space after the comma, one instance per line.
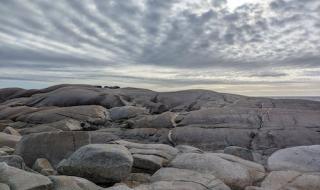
(100,163)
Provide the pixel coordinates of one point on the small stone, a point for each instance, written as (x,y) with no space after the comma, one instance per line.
(44,167)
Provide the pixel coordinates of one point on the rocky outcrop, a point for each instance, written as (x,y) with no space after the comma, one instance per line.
(100,163)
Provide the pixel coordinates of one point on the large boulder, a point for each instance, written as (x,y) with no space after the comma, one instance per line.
(285,180)
(9,140)
(303,159)
(56,146)
(21,180)
(149,157)
(100,163)
(233,171)
(181,179)
(72,183)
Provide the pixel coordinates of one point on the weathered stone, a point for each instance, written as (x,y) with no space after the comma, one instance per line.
(72,183)
(285,180)
(100,163)
(207,181)
(233,171)
(136,179)
(9,140)
(21,180)
(11,131)
(14,161)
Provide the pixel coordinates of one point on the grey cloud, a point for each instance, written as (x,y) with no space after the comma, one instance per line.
(169,34)
(269,74)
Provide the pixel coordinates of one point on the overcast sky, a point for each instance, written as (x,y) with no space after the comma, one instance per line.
(250,47)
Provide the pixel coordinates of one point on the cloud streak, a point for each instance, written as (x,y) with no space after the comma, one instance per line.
(199,43)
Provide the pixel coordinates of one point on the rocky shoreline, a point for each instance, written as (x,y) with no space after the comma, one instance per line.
(82,137)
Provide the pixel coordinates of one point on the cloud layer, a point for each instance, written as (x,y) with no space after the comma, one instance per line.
(164,45)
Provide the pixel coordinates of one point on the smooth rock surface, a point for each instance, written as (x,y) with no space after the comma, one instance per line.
(233,171)
(100,163)
(289,180)
(188,176)
(303,159)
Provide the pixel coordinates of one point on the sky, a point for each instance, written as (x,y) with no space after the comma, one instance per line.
(249,47)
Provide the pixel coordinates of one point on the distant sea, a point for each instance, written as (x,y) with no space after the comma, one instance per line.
(313,98)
